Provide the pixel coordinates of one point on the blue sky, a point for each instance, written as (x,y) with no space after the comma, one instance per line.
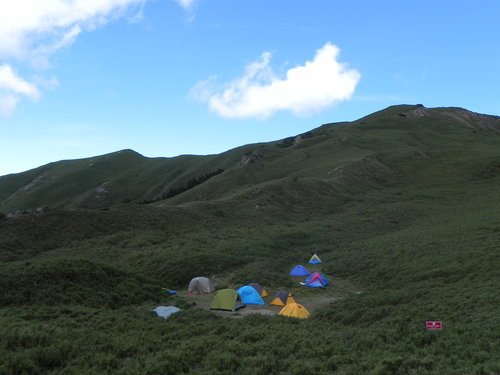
(167,77)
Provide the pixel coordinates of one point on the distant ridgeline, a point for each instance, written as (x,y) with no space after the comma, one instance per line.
(290,141)
(191,183)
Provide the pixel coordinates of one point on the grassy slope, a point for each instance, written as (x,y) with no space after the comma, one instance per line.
(407,224)
(125,176)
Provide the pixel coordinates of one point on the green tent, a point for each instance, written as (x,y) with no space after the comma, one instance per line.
(226,299)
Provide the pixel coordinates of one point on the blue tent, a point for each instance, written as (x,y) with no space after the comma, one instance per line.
(316,280)
(315,284)
(166,311)
(299,271)
(249,296)
(315,259)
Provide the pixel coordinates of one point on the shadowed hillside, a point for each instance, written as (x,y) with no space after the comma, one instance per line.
(346,156)
(402,206)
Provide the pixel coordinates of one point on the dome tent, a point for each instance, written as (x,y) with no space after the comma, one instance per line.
(316,280)
(315,259)
(295,310)
(299,271)
(226,299)
(282,298)
(250,296)
(200,285)
(259,288)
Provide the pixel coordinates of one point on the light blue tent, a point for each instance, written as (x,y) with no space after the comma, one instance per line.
(299,271)
(249,296)
(166,311)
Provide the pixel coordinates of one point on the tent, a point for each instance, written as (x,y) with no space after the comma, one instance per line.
(200,285)
(315,259)
(249,296)
(165,311)
(295,310)
(299,271)
(259,288)
(226,299)
(316,280)
(282,298)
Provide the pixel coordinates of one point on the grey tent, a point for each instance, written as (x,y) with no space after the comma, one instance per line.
(166,311)
(201,285)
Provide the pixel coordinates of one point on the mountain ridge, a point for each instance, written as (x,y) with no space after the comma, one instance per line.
(330,151)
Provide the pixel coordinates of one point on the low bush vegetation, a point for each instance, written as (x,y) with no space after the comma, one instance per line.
(78,286)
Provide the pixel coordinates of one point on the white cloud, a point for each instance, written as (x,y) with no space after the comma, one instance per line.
(304,90)
(31,31)
(12,88)
(11,82)
(27,25)
(187,5)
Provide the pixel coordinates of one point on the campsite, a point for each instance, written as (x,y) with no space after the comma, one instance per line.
(220,187)
(269,304)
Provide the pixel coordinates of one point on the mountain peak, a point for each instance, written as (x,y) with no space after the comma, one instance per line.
(126,151)
(450,115)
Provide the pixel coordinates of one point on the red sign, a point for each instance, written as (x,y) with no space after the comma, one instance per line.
(433,325)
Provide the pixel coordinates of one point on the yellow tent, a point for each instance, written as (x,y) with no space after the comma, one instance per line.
(295,310)
(282,298)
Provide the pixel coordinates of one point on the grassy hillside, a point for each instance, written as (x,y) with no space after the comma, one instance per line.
(99,181)
(376,149)
(402,206)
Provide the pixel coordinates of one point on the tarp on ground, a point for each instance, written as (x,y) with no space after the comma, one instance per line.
(166,311)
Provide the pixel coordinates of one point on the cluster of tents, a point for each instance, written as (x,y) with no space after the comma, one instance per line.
(313,280)
(251,294)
